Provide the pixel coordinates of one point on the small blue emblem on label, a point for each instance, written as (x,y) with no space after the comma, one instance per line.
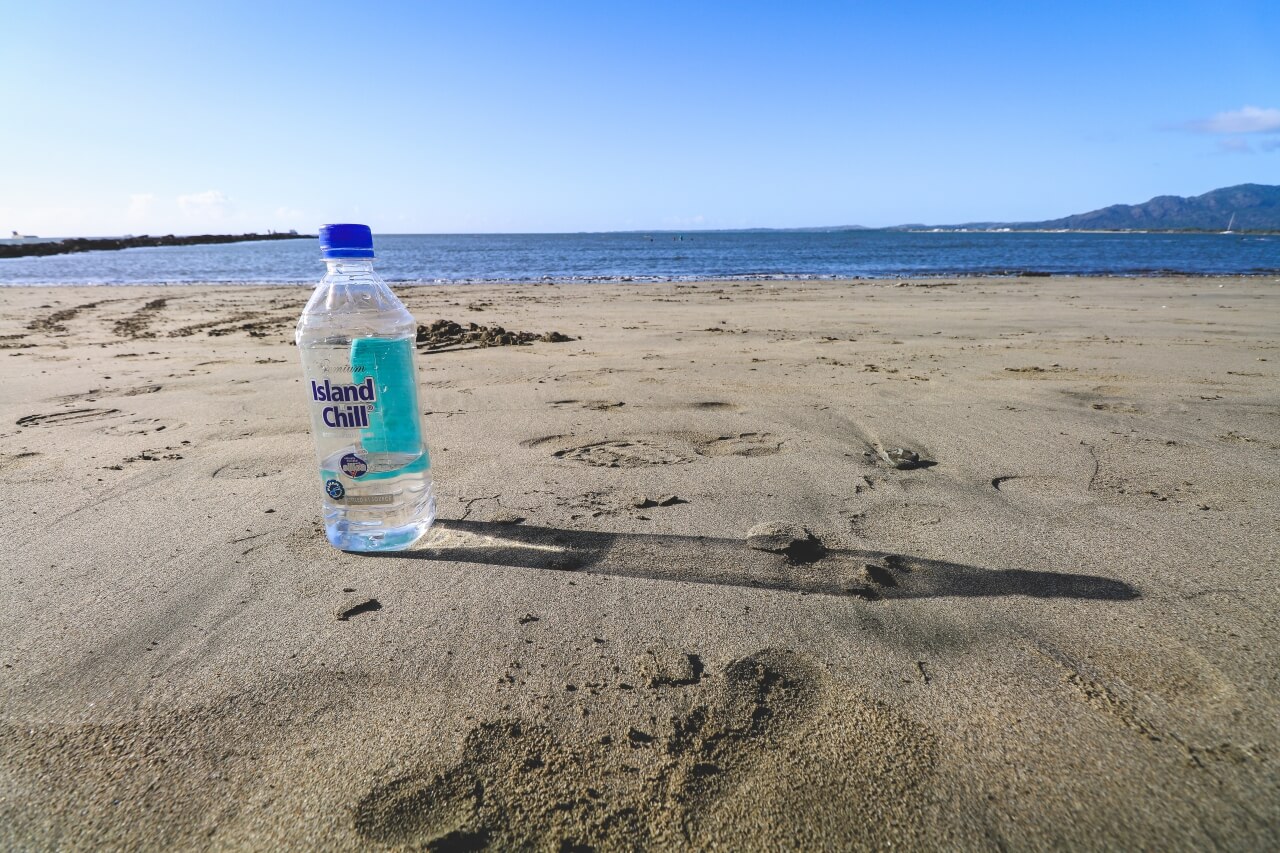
(335,490)
(354,466)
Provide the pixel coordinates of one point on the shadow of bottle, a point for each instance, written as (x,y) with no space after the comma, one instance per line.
(732,562)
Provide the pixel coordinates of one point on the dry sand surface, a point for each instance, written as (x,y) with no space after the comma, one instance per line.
(1059,630)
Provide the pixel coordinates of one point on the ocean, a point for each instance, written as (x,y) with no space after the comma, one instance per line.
(666,256)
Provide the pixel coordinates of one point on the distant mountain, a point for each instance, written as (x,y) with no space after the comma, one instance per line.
(1256,207)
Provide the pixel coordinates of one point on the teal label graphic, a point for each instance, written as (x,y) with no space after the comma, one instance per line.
(394,425)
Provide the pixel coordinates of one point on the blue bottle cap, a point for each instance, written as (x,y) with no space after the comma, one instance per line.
(346,241)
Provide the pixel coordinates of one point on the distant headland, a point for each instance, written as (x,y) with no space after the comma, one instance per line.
(1242,208)
(1245,207)
(26,247)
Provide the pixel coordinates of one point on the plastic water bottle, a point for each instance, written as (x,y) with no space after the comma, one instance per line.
(356,340)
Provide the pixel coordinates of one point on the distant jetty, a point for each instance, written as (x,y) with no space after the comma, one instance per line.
(95,244)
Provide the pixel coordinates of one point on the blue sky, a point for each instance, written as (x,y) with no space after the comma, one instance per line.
(475,116)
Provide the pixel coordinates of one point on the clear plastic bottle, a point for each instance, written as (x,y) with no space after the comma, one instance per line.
(356,341)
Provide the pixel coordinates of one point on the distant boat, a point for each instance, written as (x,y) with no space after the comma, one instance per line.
(1229,224)
(18,239)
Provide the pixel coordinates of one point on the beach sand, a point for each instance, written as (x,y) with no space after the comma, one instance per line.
(1059,630)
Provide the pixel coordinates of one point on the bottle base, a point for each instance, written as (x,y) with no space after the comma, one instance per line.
(365,538)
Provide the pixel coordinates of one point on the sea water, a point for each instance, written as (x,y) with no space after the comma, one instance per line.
(626,257)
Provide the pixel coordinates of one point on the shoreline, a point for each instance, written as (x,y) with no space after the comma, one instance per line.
(1012,275)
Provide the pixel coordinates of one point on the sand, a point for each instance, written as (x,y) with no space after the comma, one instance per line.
(678,596)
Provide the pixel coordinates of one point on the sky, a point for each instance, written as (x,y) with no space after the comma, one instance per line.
(474,116)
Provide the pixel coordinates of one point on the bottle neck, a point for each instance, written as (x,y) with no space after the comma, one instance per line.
(350,286)
(349,266)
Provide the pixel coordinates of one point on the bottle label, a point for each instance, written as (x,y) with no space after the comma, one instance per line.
(363,398)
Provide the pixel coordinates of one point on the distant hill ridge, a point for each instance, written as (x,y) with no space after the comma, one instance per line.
(1256,207)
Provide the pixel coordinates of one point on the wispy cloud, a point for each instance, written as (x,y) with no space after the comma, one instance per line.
(1247,119)
(210,204)
(1235,127)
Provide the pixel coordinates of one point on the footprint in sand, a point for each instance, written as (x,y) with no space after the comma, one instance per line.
(73,416)
(21,467)
(770,753)
(97,393)
(1157,687)
(740,444)
(1042,489)
(634,453)
(1155,665)
(140,426)
(9,460)
(896,521)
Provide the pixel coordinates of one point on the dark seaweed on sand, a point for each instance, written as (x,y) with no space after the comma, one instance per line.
(446,334)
